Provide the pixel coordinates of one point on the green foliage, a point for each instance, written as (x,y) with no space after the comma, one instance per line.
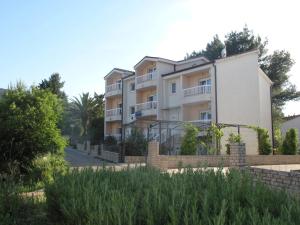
(147,196)
(290,143)
(232,139)
(54,85)
(264,143)
(213,50)
(19,210)
(28,127)
(189,142)
(110,140)
(96,127)
(44,168)
(83,109)
(136,143)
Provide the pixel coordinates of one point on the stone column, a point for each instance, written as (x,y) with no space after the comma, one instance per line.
(237,155)
(153,152)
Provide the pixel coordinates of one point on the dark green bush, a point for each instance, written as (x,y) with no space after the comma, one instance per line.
(19,210)
(136,143)
(290,143)
(110,140)
(190,141)
(146,196)
(264,143)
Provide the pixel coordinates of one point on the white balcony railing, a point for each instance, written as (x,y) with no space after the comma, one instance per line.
(114,112)
(198,90)
(146,106)
(199,121)
(113,87)
(146,77)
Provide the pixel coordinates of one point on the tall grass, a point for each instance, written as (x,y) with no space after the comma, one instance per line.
(148,197)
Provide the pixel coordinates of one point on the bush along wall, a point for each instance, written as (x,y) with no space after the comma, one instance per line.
(290,143)
(147,196)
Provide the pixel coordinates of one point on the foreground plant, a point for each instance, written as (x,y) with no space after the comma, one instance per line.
(147,196)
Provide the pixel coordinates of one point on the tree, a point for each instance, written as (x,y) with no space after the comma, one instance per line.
(96,127)
(189,142)
(83,108)
(212,51)
(290,143)
(54,84)
(28,127)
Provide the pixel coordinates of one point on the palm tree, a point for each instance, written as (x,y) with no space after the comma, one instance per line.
(83,108)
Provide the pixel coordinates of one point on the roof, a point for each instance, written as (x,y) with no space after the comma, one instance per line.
(118,70)
(152,58)
(287,118)
(189,68)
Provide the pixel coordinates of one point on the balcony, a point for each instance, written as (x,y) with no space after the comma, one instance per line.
(146,109)
(113,114)
(146,80)
(197,94)
(113,89)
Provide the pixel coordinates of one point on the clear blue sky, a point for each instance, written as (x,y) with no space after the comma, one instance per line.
(84,40)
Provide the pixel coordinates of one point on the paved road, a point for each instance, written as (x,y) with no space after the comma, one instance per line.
(81,159)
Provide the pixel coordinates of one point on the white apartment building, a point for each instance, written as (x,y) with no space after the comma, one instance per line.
(230,90)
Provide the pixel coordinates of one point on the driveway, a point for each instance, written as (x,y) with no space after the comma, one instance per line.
(78,158)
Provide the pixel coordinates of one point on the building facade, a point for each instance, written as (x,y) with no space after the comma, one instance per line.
(230,90)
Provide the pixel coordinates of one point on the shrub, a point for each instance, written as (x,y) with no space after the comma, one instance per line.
(189,142)
(19,210)
(44,168)
(263,139)
(28,125)
(232,139)
(110,140)
(290,143)
(147,196)
(136,143)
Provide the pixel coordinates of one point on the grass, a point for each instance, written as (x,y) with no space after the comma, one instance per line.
(145,196)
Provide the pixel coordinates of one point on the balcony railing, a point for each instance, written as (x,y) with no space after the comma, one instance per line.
(146,106)
(146,77)
(113,87)
(114,112)
(198,90)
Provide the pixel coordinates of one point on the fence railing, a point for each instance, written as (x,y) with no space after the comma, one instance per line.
(146,106)
(198,90)
(146,77)
(113,87)
(114,112)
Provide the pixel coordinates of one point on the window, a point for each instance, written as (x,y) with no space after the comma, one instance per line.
(173,88)
(120,105)
(120,130)
(132,110)
(205,82)
(151,98)
(119,82)
(205,116)
(132,86)
(151,70)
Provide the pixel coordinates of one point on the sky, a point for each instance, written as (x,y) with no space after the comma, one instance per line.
(84,40)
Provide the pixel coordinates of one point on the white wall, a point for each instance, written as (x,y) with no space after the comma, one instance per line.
(293,123)
(129,99)
(238,95)
(265,119)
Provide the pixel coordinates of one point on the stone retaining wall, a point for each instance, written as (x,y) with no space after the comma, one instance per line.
(289,181)
(252,160)
(135,159)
